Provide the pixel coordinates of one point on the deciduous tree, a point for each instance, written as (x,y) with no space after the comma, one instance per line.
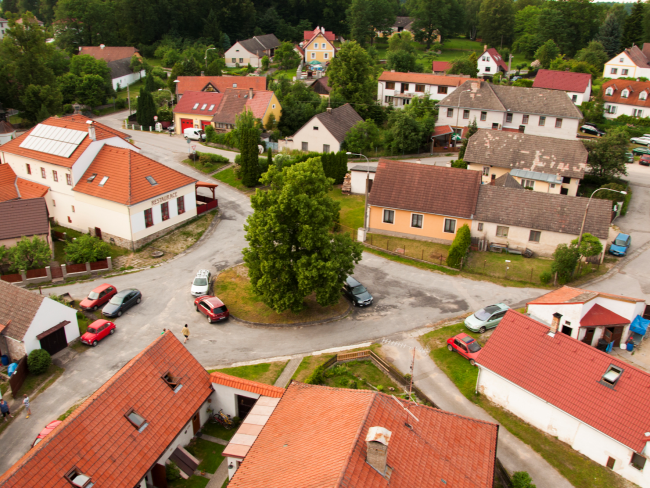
(286,56)
(87,249)
(28,254)
(352,76)
(565,260)
(363,137)
(607,154)
(367,17)
(466,65)
(496,22)
(291,252)
(472,129)
(589,246)
(547,53)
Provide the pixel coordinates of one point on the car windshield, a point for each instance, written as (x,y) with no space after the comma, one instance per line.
(486,313)
(93,295)
(358,290)
(620,242)
(117,300)
(474,347)
(200,282)
(92,330)
(220,309)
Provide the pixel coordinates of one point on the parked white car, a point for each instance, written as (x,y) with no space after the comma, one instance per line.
(201,283)
(641,140)
(194,134)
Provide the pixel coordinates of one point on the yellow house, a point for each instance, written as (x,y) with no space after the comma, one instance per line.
(262,103)
(423,202)
(319,46)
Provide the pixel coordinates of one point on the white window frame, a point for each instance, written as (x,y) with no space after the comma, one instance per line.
(502,227)
(529,184)
(444,226)
(643,95)
(638,112)
(415,226)
(609,92)
(480,227)
(326,55)
(625,93)
(383,216)
(313,55)
(486,171)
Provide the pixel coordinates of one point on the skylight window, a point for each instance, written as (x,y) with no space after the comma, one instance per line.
(611,377)
(151,180)
(137,420)
(104,180)
(204,106)
(196,105)
(77,478)
(173,382)
(211,107)
(92,177)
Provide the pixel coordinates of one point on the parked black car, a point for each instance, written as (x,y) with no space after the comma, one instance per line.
(121,302)
(356,292)
(592,130)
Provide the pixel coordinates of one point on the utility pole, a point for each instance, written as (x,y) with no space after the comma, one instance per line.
(128,97)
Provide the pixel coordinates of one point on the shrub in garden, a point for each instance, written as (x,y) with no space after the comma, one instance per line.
(38,361)
(172,473)
(565,259)
(459,247)
(316,378)
(545,277)
(521,479)
(87,249)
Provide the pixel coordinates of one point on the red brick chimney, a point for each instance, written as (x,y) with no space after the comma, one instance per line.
(555,325)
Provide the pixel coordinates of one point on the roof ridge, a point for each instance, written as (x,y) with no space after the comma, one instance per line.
(129,200)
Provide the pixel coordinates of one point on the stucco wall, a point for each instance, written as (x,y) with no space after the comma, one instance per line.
(224,398)
(312,53)
(129,79)
(431,90)
(623,109)
(488,63)
(49,314)
(315,139)
(358,180)
(274,108)
(540,186)
(620,62)
(197,118)
(238,52)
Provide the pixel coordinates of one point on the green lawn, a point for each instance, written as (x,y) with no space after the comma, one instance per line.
(134,90)
(208,167)
(215,429)
(463,44)
(357,374)
(192,482)
(308,365)
(428,251)
(520,268)
(267,373)
(351,215)
(579,470)
(228,177)
(209,453)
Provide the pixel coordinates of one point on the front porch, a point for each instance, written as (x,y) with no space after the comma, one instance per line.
(205,203)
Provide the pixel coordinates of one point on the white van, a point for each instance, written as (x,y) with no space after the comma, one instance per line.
(194,134)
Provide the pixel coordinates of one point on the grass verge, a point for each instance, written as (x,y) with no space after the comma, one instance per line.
(351,214)
(425,250)
(579,470)
(209,453)
(67,413)
(228,176)
(234,288)
(310,363)
(362,375)
(267,373)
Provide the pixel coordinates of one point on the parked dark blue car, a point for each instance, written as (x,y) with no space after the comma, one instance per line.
(121,302)
(620,245)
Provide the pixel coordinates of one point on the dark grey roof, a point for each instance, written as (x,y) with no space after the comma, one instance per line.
(119,68)
(403,21)
(482,95)
(516,150)
(508,181)
(258,44)
(542,211)
(339,121)
(364,168)
(20,218)
(269,41)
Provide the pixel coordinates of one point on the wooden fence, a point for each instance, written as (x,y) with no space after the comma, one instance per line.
(97,265)
(36,273)
(18,378)
(76,268)
(12,278)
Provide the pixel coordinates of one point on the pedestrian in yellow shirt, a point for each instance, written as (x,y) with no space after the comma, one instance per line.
(186,333)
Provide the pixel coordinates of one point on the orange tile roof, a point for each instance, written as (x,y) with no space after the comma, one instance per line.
(101,132)
(246,385)
(425,78)
(234,102)
(220,83)
(127,171)
(599,315)
(567,294)
(316,437)
(98,439)
(109,53)
(9,181)
(29,189)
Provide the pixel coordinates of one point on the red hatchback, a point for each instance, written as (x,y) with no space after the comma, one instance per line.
(98,297)
(97,331)
(464,345)
(213,308)
(46,431)
(644,160)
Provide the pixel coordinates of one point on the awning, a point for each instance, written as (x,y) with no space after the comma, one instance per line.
(42,335)
(639,325)
(314,62)
(455,137)
(205,184)
(442,130)
(185,461)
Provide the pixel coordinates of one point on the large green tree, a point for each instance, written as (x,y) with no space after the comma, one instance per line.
(35,97)
(363,137)
(146,109)
(595,55)
(86,23)
(87,249)
(249,136)
(466,65)
(291,252)
(496,22)
(286,56)
(352,76)
(607,154)
(633,30)
(367,17)
(609,35)
(443,16)
(547,53)
(28,254)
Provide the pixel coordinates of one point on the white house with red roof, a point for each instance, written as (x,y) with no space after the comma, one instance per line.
(585,397)
(624,97)
(490,63)
(633,62)
(576,85)
(101,184)
(398,89)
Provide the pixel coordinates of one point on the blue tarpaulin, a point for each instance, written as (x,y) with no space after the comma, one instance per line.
(639,325)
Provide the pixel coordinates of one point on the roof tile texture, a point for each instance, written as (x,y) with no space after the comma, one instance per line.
(562,80)
(259,44)
(20,218)
(567,294)
(191,98)
(515,150)
(220,83)
(441,66)
(423,188)
(19,306)
(126,453)
(235,100)
(635,88)
(580,393)
(246,385)
(424,78)
(339,121)
(316,438)
(109,53)
(599,315)
(12,187)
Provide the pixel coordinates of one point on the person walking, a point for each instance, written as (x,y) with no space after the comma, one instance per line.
(26,403)
(4,409)
(186,333)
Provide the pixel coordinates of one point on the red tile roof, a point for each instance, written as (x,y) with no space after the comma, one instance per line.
(578,393)
(442,130)
(12,187)
(562,80)
(452,192)
(235,100)
(567,294)
(219,83)
(441,66)
(635,89)
(246,385)
(98,439)
(109,53)
(127,171)
(309,35)
(496,57)
(71,122)
(192,98)
(425,78)
(316,437)
(598,315)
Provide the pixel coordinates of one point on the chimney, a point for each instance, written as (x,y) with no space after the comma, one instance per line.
(202,73)
(485,48)
(556,323)
(377,448)
(250,93)
(91,130)
(102,46)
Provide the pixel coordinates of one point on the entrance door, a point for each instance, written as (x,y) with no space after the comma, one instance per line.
(98,233)
(244,406)
(589,336)
(196,423)
(186,124)
(614,334)
(159,476)
(54,342)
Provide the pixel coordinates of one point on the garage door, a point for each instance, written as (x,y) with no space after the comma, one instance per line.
(54,342)
(205,123)
(186,124)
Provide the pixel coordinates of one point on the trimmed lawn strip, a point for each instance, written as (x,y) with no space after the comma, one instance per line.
(228,177)
(192,482)
(67,413)
(267,373)
(343,374)
(425,250)
(351,215)
(234,288)
(416,264)
(310,363)
(209,453)
(225,483)
(579,470)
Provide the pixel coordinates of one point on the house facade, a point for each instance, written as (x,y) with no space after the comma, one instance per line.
(4,25)
(490,62)
(633,62)
(251,51)
(543,164)
(119,62)
(575,408)
(324,132)
(535,111)
(217,84)
(576,85)
(196,110)
(358,176)
(624,97)
(524,219)
(262,103)
(421,202)
(398,89)
(31,321)
(318,45)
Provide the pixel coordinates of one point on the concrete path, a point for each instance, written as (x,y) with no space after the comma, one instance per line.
(513,453)
(219,476)
(288,371)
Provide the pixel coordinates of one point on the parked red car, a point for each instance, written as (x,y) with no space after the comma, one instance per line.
(97,331)
(45,432)
(98,297)
(213,308)
(464,345)
(644,160)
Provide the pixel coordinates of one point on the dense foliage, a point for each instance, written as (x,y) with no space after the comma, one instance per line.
(27,254)
(460,246)
(38,361)
(87,249)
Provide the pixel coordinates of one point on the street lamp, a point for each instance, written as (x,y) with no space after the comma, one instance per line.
(365,206)
(584,218)
(206,56)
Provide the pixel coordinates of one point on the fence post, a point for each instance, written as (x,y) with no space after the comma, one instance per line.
(109,262)
(23,275)
(49,273)
(461,263)
(64,271)
(149,128)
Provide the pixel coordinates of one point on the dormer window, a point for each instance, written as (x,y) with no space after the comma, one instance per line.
(625,93)
(91,178)
(611,377)
(137,420)
(610,91)
(643,95)
(173,382)
(77,478)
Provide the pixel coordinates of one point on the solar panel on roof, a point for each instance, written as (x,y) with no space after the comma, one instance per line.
(57,141)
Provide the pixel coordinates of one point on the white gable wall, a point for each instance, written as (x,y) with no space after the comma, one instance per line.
(487,65)
(615,68)
(315,138)
(49,314)
(224,398)
(237,51)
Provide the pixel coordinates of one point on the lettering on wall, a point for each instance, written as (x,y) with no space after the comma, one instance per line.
(163,199)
